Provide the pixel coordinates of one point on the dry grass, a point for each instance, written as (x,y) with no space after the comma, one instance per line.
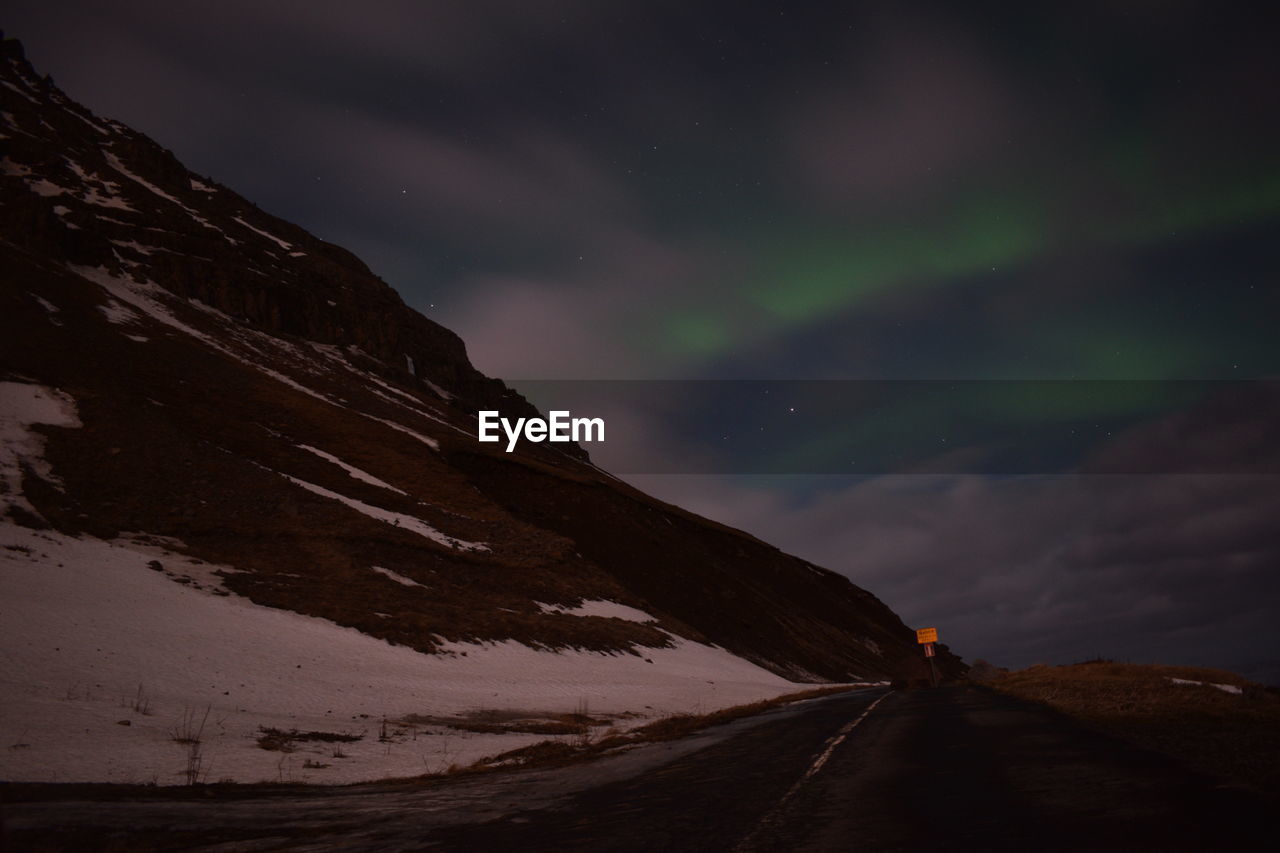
(497,721)
(1233,736)
(551,753)
(278,740)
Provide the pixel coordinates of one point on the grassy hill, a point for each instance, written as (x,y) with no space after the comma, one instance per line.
(1213,720)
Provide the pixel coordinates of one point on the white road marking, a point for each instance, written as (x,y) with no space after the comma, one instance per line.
(747,843)
(832,742)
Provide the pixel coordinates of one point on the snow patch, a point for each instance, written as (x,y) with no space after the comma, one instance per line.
(91,124)
(9,85)
(89,177)
(47,188)
(437,390)
(1225,688)
(22,406)
(115,163)
(352,471)
(118,314)
(386,516)
(44,303)
(144,297)
(396,576)
(602,608)
(136,246)
(92,634)
(281,243)
(429,442)
(92,196)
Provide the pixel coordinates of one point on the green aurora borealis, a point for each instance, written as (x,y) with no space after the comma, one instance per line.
(830,270)
(976,206)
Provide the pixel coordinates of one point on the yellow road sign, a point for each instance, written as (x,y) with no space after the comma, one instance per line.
(926,635)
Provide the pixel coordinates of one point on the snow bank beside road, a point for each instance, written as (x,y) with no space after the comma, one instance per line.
(92,637)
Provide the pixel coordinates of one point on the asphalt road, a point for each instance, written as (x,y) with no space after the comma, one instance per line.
(956,768)
(928,770)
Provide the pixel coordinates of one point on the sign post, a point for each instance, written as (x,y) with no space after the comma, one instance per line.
(927,637)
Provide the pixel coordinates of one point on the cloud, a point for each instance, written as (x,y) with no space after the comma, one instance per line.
(522,328)
(916,105)
(1230,431)
(1173,566)
(522,175)
(1037,569)
(600,319)
(591,190)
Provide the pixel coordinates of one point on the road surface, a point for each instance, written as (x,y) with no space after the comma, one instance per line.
(956,768)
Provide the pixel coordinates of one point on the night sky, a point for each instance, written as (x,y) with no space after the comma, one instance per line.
(788,191)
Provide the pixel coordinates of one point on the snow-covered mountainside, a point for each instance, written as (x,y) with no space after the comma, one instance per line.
(238,474)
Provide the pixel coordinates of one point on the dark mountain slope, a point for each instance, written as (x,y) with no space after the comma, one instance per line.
(257,395)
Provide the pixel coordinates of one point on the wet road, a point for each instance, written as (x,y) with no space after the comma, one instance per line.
(955,768)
